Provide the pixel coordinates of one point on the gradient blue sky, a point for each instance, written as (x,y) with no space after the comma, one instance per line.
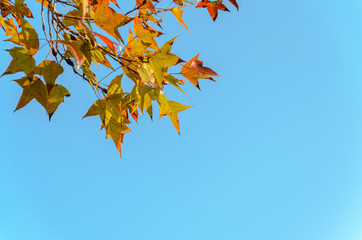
(273,150)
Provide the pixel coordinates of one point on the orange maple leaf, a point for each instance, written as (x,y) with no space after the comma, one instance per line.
(212,7)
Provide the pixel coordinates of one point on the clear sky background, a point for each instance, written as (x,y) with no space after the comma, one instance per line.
(272,150)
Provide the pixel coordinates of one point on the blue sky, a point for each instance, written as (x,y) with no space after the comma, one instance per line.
(272,150)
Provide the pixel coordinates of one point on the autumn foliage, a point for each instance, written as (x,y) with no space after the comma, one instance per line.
(80,34)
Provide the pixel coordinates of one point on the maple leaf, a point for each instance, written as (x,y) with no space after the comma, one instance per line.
(212,7)
(193,70)
(23,61)
(197,66)
(50,70)
(171,108)
(33,87)
(163,59)
(116,118)
(109,20)
(178,14)
(55,98)
(112,114)
(97,108)
(233,2)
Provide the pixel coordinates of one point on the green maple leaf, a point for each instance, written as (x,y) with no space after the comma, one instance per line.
(56,97)
(163,59)
(32,88)
(50,70)
(23,61)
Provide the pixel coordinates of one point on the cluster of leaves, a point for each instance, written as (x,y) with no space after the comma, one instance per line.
(84,33)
